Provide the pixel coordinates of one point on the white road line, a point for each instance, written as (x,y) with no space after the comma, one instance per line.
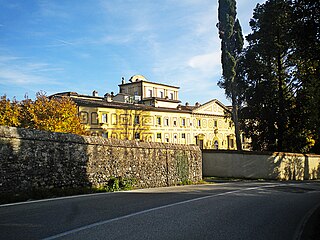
(57,198)
(151,210)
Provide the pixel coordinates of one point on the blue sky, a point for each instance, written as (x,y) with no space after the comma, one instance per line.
(81,46)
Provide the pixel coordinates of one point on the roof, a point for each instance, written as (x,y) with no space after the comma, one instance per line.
(214,101)
(161,99)
(100,102)
(75,95)
(136,78)
(95,101)
(139,79)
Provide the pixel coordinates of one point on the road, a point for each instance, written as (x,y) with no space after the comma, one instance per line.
(242,210)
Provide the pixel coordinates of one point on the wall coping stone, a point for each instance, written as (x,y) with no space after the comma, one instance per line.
(244,152)
(40,135)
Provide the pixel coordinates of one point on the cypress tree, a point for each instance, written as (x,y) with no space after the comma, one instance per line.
(230,33)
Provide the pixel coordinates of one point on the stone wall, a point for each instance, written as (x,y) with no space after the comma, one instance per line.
(264,165)
(31,159)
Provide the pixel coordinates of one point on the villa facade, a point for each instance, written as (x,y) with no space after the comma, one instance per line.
(148,111)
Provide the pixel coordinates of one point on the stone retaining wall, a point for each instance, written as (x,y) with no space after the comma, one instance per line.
(31,159)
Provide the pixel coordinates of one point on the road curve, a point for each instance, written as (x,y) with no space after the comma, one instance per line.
(243,210)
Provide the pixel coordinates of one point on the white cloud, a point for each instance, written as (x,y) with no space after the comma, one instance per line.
(208,62)
(19,71)
(18,77)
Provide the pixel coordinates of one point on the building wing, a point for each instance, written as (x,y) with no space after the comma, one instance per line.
(213,107)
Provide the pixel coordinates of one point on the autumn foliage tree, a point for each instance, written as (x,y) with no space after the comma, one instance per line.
(50,114)
(9,112)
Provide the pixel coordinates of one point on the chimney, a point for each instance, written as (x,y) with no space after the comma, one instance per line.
(95,93)
(107,97)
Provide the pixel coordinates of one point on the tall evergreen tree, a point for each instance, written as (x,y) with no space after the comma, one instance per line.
(271,84)
(230,33)
(280,69)
(306,37)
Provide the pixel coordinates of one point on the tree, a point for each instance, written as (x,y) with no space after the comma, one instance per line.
(269,67)
(306,37)
(55,114)
(231,37)
(280,70)
(9,112)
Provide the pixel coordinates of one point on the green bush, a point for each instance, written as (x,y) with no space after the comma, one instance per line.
(118,183)
(185,182)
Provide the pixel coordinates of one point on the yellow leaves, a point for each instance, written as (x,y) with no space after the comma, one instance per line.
(9,112)
(50,114)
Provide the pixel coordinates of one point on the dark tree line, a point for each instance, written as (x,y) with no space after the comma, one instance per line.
(278,77)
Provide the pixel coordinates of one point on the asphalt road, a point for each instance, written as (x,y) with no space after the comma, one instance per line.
(243,210)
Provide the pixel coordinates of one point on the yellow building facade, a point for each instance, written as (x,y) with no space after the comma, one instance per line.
(148,111)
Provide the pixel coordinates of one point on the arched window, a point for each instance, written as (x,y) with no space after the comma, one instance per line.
(216,144)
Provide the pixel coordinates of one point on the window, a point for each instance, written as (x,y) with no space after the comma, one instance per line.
(105,135)
(114,119)
(149,93)
(175,138)
(231,143)
(216,145)
(183,122)
(183,135)
(166,121)
(124,119)
(158,120)
(161,94)
(171,96)
(104,118)
(159,135)
(84,117)
(199,122)
(166,137)
(175,122)
(215,123)
(136,120)
(137,136)
(94,118)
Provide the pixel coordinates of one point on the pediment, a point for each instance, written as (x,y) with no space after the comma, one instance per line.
(213,107)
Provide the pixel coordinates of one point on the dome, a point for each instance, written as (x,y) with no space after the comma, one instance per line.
(137,78)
